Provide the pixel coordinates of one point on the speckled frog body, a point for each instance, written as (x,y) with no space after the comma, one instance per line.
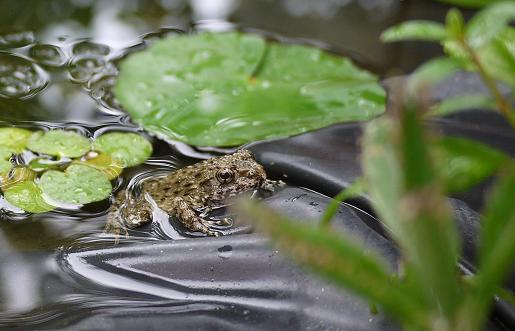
(186,192)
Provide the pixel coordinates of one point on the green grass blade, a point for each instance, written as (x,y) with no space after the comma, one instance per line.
(499,218)
(340,260)
(497,249)
(407,197)
(426,215)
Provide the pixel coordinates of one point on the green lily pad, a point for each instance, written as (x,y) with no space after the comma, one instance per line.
(59,143)
(5,163)
(79,184)
(27,196)
(227,89)
(5,153)
(5,166)
(14,139)
(103,162)
(128,149)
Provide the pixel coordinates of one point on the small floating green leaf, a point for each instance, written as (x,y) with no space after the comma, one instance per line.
(127,148)
(27,196)
(103,162)
(59,143)
(79,184)
(14,139)
(226,89)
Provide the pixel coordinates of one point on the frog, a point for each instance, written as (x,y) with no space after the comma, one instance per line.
(189,193)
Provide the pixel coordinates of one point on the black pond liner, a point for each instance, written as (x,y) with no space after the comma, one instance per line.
(240,282)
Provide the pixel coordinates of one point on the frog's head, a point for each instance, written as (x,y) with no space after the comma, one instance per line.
(238,172)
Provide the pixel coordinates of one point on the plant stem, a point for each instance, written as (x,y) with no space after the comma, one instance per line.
(503,105)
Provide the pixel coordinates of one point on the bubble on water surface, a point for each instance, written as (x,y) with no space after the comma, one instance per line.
(101,89)
(19,77)
(90,48)
(16,39)
(82,69)
(49,55)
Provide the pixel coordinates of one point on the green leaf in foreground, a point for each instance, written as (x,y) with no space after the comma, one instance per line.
(227,89)
(462,102)
(14,139)
(27,196)
(59,143)
(463,163)
(79,184)
(433,71)
(415,30)
(489,23)
(400,184)
(497,57)
(127,148)
(340,260)
(455,24)
(497,244)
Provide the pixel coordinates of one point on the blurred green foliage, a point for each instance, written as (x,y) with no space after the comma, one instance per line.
(485,44)
(407,172)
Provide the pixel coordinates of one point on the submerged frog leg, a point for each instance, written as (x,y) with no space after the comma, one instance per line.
(127,212)
(188,217)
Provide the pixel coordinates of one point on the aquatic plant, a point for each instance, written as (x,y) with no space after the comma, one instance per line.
(68,168)
(484,45)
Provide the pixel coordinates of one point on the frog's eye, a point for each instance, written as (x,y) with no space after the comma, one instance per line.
(225,176)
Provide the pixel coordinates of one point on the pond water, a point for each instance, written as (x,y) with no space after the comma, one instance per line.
(57,67)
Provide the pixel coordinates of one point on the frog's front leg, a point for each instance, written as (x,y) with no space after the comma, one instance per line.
(187,216)
(127,212)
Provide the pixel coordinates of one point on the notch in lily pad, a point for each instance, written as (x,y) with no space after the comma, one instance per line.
(59,143)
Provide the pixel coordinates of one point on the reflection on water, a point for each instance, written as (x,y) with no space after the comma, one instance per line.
(56,66)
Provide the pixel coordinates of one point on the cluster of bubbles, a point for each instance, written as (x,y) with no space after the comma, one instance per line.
(25,65)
